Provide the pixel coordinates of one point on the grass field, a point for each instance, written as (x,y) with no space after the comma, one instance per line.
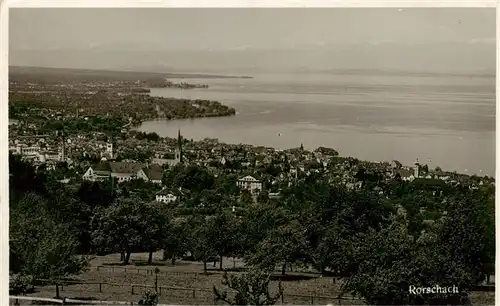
(107,280)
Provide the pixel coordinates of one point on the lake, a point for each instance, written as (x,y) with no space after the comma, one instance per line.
(443,120)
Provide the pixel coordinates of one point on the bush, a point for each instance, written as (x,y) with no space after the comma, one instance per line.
(21,285)
(149,298)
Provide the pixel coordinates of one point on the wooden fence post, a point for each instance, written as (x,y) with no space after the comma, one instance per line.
(194,293)
(132,289)
(312,299)
(100,287)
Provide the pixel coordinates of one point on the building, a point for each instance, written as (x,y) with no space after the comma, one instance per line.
(168,196)
(108,154)
(404,174)
(396,164)
(27,150)
(98,172)
(250,183)
(153,173)
(178,155)
(122,171)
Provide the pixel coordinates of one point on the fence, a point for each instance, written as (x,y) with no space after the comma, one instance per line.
(177,295)
(15,300)
(146,271)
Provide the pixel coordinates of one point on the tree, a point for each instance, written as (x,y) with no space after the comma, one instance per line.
(285,245)
(177,239)
(44,218)
(169,177)
(42,249)
(201,243)
(252,288)
(226,184)
(23,179)
(220,234)
(246,197)
(455,251)
(259,220)
(156,219)
(142,189)
(120,227)
(194,178)
(149,298)
(263,197)
(96,194)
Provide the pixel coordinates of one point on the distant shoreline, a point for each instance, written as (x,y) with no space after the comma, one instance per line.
(71,73)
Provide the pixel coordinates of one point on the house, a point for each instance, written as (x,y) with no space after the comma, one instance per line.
(168,196)
(23,149)
(125,171)
(396,164)
(122,171)
(98,172)
(249,183)
(153,173)
(161,161)
(404,174)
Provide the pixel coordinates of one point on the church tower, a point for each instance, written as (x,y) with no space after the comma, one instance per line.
(416,169)
(62,151)
(178,150)
(109,148)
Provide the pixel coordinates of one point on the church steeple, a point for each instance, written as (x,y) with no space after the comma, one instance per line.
(179,140)
(178,150)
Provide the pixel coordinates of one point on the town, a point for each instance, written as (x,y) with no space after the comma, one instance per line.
(82,173)
(132,158)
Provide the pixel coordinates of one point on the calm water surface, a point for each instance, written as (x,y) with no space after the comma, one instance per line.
(446,121)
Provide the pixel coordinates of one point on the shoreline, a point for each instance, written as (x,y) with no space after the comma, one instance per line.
(199,138)
(77,73)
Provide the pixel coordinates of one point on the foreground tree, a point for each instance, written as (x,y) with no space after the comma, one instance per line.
(221,232)
(41,248)
(149,298)
(201,242)
(455,251)
(283,246)
(120,228)
(157,225)
(251,288)
(177,239)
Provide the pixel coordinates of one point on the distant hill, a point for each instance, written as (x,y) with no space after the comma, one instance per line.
(99,75)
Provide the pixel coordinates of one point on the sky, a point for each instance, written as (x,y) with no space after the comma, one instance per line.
(231,39)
